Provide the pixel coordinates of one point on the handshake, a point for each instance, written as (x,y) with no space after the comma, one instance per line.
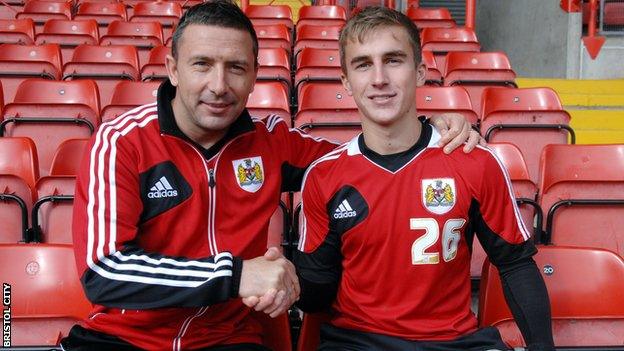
(269,283)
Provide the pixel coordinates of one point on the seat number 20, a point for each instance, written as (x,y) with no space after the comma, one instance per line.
(450,239)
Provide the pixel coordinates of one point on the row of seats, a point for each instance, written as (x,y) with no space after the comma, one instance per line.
(36,270)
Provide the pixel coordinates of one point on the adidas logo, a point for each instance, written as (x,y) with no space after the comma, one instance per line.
(344,210)
(162,188)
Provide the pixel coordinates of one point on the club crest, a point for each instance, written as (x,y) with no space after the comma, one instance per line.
(439,195)
(249,173)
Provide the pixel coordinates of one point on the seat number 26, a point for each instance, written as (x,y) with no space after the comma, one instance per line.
(450,240)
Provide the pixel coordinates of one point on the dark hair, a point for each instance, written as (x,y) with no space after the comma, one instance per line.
(373,17)
(220,13)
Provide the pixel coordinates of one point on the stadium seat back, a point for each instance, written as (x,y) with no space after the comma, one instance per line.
(55,199)
(46,295)
(167,13)
(19,62)
(320,37)
(18,157)
(430,17)
(41,11)
(50,112)
(582,195)
(326,110)
(433,76)
(435,100)
(154,68)
(17,31)
(102,12)
(68,34)
(270,14)
(585,287)
(68,157)
(128,95)
(529,118)
(440,41)
(142,35)
(106,65)
(269,98)
(274,65)
(315,65)
(322,15)
(273,36)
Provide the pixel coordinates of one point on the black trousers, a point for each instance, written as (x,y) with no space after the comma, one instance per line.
(339,339)
(82,339)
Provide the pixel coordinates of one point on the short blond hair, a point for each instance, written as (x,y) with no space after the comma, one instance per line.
(371,18)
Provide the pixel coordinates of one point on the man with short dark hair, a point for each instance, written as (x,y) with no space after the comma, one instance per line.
(389,219)
(174,198)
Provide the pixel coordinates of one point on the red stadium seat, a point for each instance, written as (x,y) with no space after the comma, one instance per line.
(433,76)
(440,41)
(364,3)
(16,199)
(68,34)
(41,11)
(311,330)
(46,295)
(107,65)
(326,110)
(319,37)
(17,31)
(585,288)
(164,12)
(53,209)
(154,68)
(436,100)
(19,62)
(323,15)
(279,226)
(274,65)
(67,157)
(525,192)
(315,65)
(528,118)
(477,70)
(142,35)
(129,95)
(273,36)
(275,331)
(102,12)
(582,195)
(19,171)
(50,112)
(614,13)
(269,98)
(270,14)
(430,17)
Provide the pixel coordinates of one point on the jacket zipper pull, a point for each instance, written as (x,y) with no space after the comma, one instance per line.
(211,180)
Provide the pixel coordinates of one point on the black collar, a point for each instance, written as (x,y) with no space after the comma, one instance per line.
(394,162)
(168,125)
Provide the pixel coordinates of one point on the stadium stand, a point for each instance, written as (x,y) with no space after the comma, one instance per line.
(528,118)
(17,31)
(317,65)
(323,15)
(270,15)
(433,76)
(274,65)
(581,191)
(128,95)
(441,41)
(164,12)
(68,34)
(67,157)
(436,100)
(154,68)
(54,205)
(19,62)
(46,294)
(584,286)
(50,112)
(106,65)
(274,36)
(319,37)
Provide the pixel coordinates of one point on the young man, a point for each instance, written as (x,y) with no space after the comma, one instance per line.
(174,199)
(388,218)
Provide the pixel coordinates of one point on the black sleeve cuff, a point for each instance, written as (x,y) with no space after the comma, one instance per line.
(237,269)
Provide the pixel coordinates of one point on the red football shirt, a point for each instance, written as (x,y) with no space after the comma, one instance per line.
(399,228)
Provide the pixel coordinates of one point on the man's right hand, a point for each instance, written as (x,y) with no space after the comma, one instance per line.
(269,283)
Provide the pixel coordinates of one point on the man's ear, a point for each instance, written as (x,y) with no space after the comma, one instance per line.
(421,72)
(346,84)
(172,69)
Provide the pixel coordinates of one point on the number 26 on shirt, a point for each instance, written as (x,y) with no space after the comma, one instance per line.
(450,239)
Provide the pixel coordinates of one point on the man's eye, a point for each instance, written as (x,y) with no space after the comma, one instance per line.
(362,66)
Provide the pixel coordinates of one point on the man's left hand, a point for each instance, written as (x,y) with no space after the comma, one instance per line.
(456,130)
